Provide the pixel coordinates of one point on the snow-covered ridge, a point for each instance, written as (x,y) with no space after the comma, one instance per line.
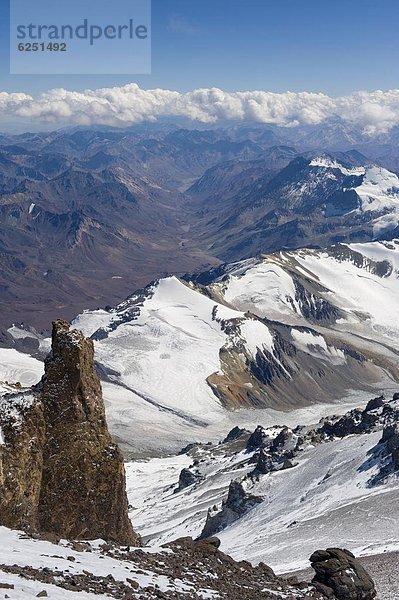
(18,368)
(178,354)
(281,331)
(360,280)
(329,163)
(377,190)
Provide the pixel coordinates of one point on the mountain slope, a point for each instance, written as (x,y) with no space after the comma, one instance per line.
(314,200)
(272,495)
(88,214)
(87,239)
(280,332)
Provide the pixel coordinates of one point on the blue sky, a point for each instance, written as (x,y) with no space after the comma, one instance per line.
(275,45)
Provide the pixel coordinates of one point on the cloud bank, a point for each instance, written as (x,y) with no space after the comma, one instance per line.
(373,112)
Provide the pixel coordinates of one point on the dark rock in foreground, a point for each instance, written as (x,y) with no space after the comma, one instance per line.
(340,575)
(60,471)
(184,569)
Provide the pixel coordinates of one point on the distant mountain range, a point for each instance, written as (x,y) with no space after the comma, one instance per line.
(87,215)
(314,200)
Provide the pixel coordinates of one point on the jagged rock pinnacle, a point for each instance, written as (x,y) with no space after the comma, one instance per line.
(78,472)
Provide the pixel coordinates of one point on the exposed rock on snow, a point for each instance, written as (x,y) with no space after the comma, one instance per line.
(238,502)
(257,439)
(391,438)
(385,454)
(235,434)
(183,570)
(186,478)
(318,486)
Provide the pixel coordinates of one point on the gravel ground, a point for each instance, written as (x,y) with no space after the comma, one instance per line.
(384,569)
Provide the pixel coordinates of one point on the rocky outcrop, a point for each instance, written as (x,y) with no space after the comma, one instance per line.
(187,478)
(58,453)
(386,455)
(286,440)
(276,453)
(235,434)
(239,501)
(375,403)
(267,462)
(378,413)
(340,576)
(390,438)
(264,462)
(257,439)
(270,452)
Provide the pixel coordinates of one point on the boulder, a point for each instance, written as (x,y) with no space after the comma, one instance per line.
(187,478)
(340,575)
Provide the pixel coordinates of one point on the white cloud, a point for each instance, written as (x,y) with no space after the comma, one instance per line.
(374,111)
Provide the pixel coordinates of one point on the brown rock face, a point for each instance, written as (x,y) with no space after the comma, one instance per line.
(72,478)
(21,460)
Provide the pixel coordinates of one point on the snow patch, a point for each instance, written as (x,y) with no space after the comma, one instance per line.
(17,367)
(316,345)
(266,289)
(256,336)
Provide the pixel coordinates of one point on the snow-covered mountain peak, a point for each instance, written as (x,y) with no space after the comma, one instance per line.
(281,331)
(379,193)
(376,188)
(327,162)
